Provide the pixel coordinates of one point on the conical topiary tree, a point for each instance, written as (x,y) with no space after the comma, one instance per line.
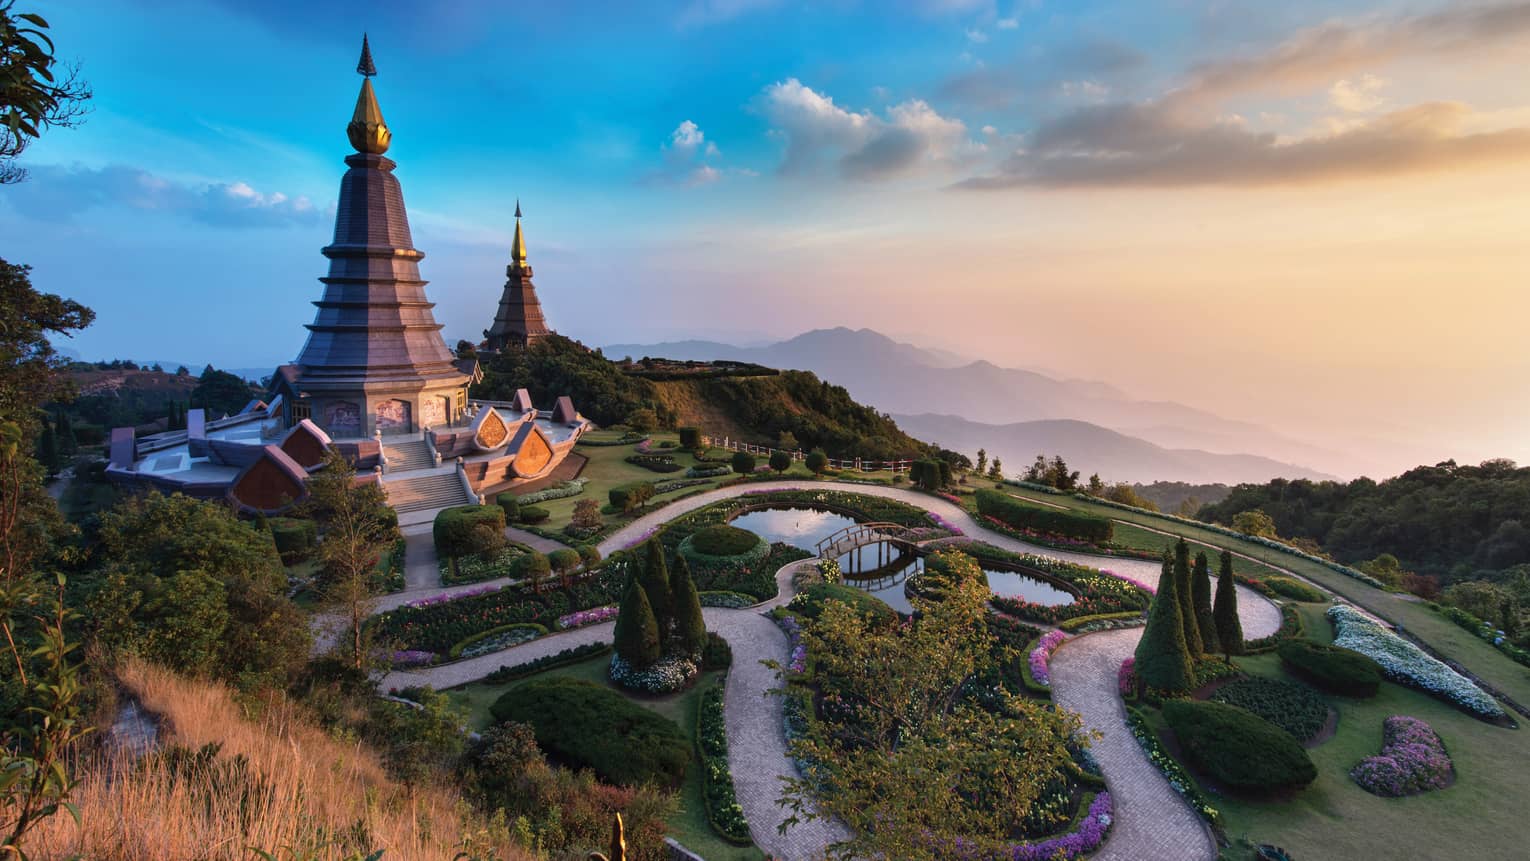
(1163,661)
(1200,587)
(1229,629)
(655,579)
(637,631)
(690,627)
(1183,590)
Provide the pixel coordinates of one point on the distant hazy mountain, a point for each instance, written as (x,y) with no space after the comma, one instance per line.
(1091,448)
(902,378)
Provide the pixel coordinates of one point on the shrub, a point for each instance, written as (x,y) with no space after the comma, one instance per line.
(1291,628)
(809,603)
(665,676)
(817,462)
(1404,662)
(1173,772)
(1163,659)
(295,537)
(742,462)
(531,514)
(511,505)
(724,540)
(561,490)
(1333,669)
(637,629)
(780,461)
(586,516)
(731,600)
(1013,512)
(717,655)
(655,462)
(708,471)
(467,529)
(589,554)
(628,498)
(1296,590)
(690,438)
(1412,760)
(723,810)
(588,726)
(1237,748)
(514,672)
(1295,708)
(563,560)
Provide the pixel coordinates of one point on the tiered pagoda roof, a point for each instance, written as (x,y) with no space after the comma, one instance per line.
(519,319)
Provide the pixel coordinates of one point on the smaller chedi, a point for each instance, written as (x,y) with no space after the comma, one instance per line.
(519,320)
(375,379)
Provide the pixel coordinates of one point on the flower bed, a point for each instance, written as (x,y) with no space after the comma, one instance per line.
(1081,841)
(625,439)
(495,640)
(1483,630)
(1172,771)
(669,674)
(797,660)
(1042,653)
(1412,760)
(1103,622)
(475,569)
(730,600)
(655,462)
(673,484)
(580,618)
(1291,628)
(1295,708)
(707,471)
(561,490)
(1404,662)
(1126,678)
(412,658)
(723,810)
(513,672)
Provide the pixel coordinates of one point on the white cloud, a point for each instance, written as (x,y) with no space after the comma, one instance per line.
(976,36)
(1089,91)
(911,135)
(702,13)
(1358,96)
(1007,23)
(57,192)
(687,154)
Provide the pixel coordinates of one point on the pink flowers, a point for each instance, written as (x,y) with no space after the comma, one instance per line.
(452,596)
(1126,677)
(1042,653)
(1412,760)
(587,617)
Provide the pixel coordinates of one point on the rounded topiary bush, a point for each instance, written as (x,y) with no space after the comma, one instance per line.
(533,514)
(1296,590)
(585,725)
(1330,668)
(1238,748)
(468,529)
(723,540)
(1293,707)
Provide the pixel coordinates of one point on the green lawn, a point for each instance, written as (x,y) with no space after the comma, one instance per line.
(1430,627)
(1480,816)
(690,825)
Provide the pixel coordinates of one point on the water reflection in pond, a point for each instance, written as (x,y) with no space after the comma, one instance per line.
(802,528)
(1010,584)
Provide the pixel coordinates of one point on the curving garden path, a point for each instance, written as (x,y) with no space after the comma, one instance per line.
(1152,821)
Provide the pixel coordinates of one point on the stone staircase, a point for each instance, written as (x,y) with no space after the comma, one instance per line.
(408,455)
(426,492)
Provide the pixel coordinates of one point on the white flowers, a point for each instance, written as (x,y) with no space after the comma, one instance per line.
(1406,663)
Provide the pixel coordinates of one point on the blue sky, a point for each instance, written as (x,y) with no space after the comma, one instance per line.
(1055,177)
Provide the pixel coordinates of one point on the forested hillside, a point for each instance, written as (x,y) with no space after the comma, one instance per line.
(1455,522)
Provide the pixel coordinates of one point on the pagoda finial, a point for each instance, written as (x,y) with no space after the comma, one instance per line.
(367,131)
(365,67)
(518,244)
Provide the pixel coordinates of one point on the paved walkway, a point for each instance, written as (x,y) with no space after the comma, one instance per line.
(421,570)
(1152,820)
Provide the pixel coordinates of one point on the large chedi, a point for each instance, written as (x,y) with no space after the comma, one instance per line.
(519,320)
(375,360)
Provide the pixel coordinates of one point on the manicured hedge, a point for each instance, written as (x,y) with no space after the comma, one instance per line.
(1291,628)
(1335,670)
(655,462)
(514,672)
(1101,621)
(295,537)
(534,514)
(992,503)
(561,490)
(458,531)
(810,602)
(629,497)
(1294,589)
(723,809)
(690,438)
(511,505)
(723,540)
(1237,748)
(584,725)
(1293,707)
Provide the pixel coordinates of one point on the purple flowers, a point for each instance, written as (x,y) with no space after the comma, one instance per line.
(1126,677)
(587,617)
(452,596)
(640,539)
(1085,839)
(1040,655)
(1412,760)
(944,523)
(797,663)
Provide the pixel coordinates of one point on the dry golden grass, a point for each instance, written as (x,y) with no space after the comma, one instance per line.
(308,796)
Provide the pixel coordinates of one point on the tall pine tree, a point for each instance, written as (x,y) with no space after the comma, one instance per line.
(690,627)
(1229,629)
(655,580)
(637,631)
(1182,589)
(1201,592)
(67,444)
(1163,660)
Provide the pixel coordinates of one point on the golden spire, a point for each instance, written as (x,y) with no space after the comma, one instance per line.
(518,244)
(367,131)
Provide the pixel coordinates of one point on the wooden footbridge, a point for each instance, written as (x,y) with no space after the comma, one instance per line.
(858,535)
